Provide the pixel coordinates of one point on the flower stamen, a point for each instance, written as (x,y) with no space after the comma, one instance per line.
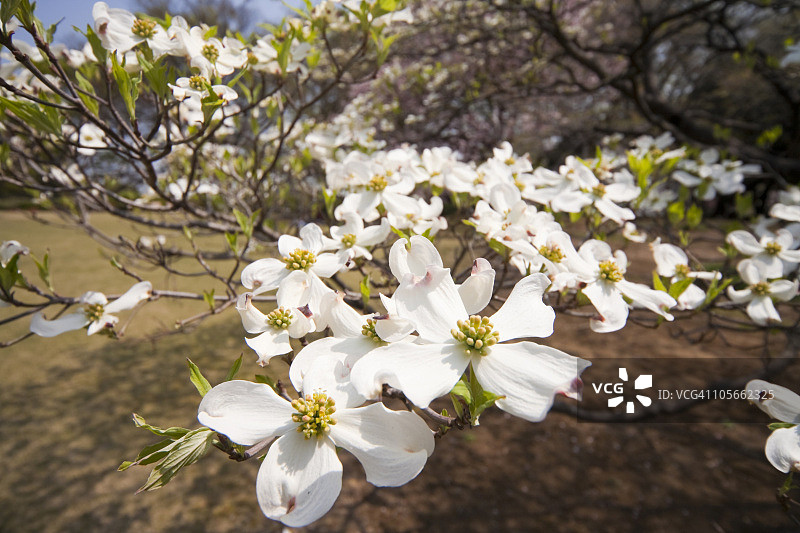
(146,29)
(314,414)
(368,330)
(610,271)
(94,312)
(300,259)
(280,318)
(476,333)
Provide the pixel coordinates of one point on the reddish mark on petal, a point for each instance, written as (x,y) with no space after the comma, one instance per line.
(291,505)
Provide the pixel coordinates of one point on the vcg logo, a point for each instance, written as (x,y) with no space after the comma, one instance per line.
(645,381)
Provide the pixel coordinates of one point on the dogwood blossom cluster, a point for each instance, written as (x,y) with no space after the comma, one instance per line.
(783,445)
(432,334)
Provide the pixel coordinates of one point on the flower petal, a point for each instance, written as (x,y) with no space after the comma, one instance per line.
(524,314)
(644,296)
(246,412)
(745,242)
(778,402)
(140,291)
(253,320)
(264,274)
(528,376)
(51,328)
(392,446)
(761,310)
(422,371)
(270,343)
(294,290)
(783,449)
(431,302)
(313,239)
(299,480)
(477,289)
(415,260)
(609,303)
(288,244)
(328,264)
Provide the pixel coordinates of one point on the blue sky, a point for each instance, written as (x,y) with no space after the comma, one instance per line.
(79,12)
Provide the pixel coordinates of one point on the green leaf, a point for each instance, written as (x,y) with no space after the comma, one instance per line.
(234,369)
(208,297)
(657,283)
(675,212)
(179,454)
(365,291)
(44,270)
(8,9)
(744,205)
(329,197)
(462,390)
(677,288)
(232,239)
(156,74)
(149,454)
(9,275)
(245,222)
(97,46)
(694,216)
(34,115)
(171,433)
(128,87)
(200,382)
(86,86)
(485,400)
(780,425)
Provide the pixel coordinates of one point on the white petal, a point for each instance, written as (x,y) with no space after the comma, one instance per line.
(761,310)
(644,296)
(140,291)
(392,446)
(609,303)
(691,298)
(524,314)
(431,302)
(778,402)
(288,244)
(667,257)
(770,265)
(105,321)
(94,298)
(783,289)
(328,264)
(423,372)
(529,376)
(264,275)
(246,412)
(312,237)
(269,344)
(318,292)
(51,328)
(294,290)
(301,324)
(614,212)
(299,480)
(375,234)
(253,320)
(738,297)
(477,289)
(783,449)
(416,260)
(393,328)
(343,320)
(744,242)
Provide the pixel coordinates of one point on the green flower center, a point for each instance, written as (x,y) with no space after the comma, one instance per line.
(772,248)
(300,260)
(146,29)
(476,333)
(210,52)
(197,82)
(314,414)
(349,240)
(368,330)
(377,184)
(682,271)
(551,253)
(609,271)
(760,289)
(280,318)
(599,190)
(94,312)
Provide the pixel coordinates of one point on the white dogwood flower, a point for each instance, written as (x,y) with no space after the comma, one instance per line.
(773,250)
(96,313)
(301,475)
(525,374)
(673,263)
(783,445)
(274,329)
(760,293)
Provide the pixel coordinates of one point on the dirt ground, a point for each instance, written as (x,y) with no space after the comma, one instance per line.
(65,429)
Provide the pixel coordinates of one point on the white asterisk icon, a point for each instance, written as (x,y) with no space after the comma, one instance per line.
(645,381)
